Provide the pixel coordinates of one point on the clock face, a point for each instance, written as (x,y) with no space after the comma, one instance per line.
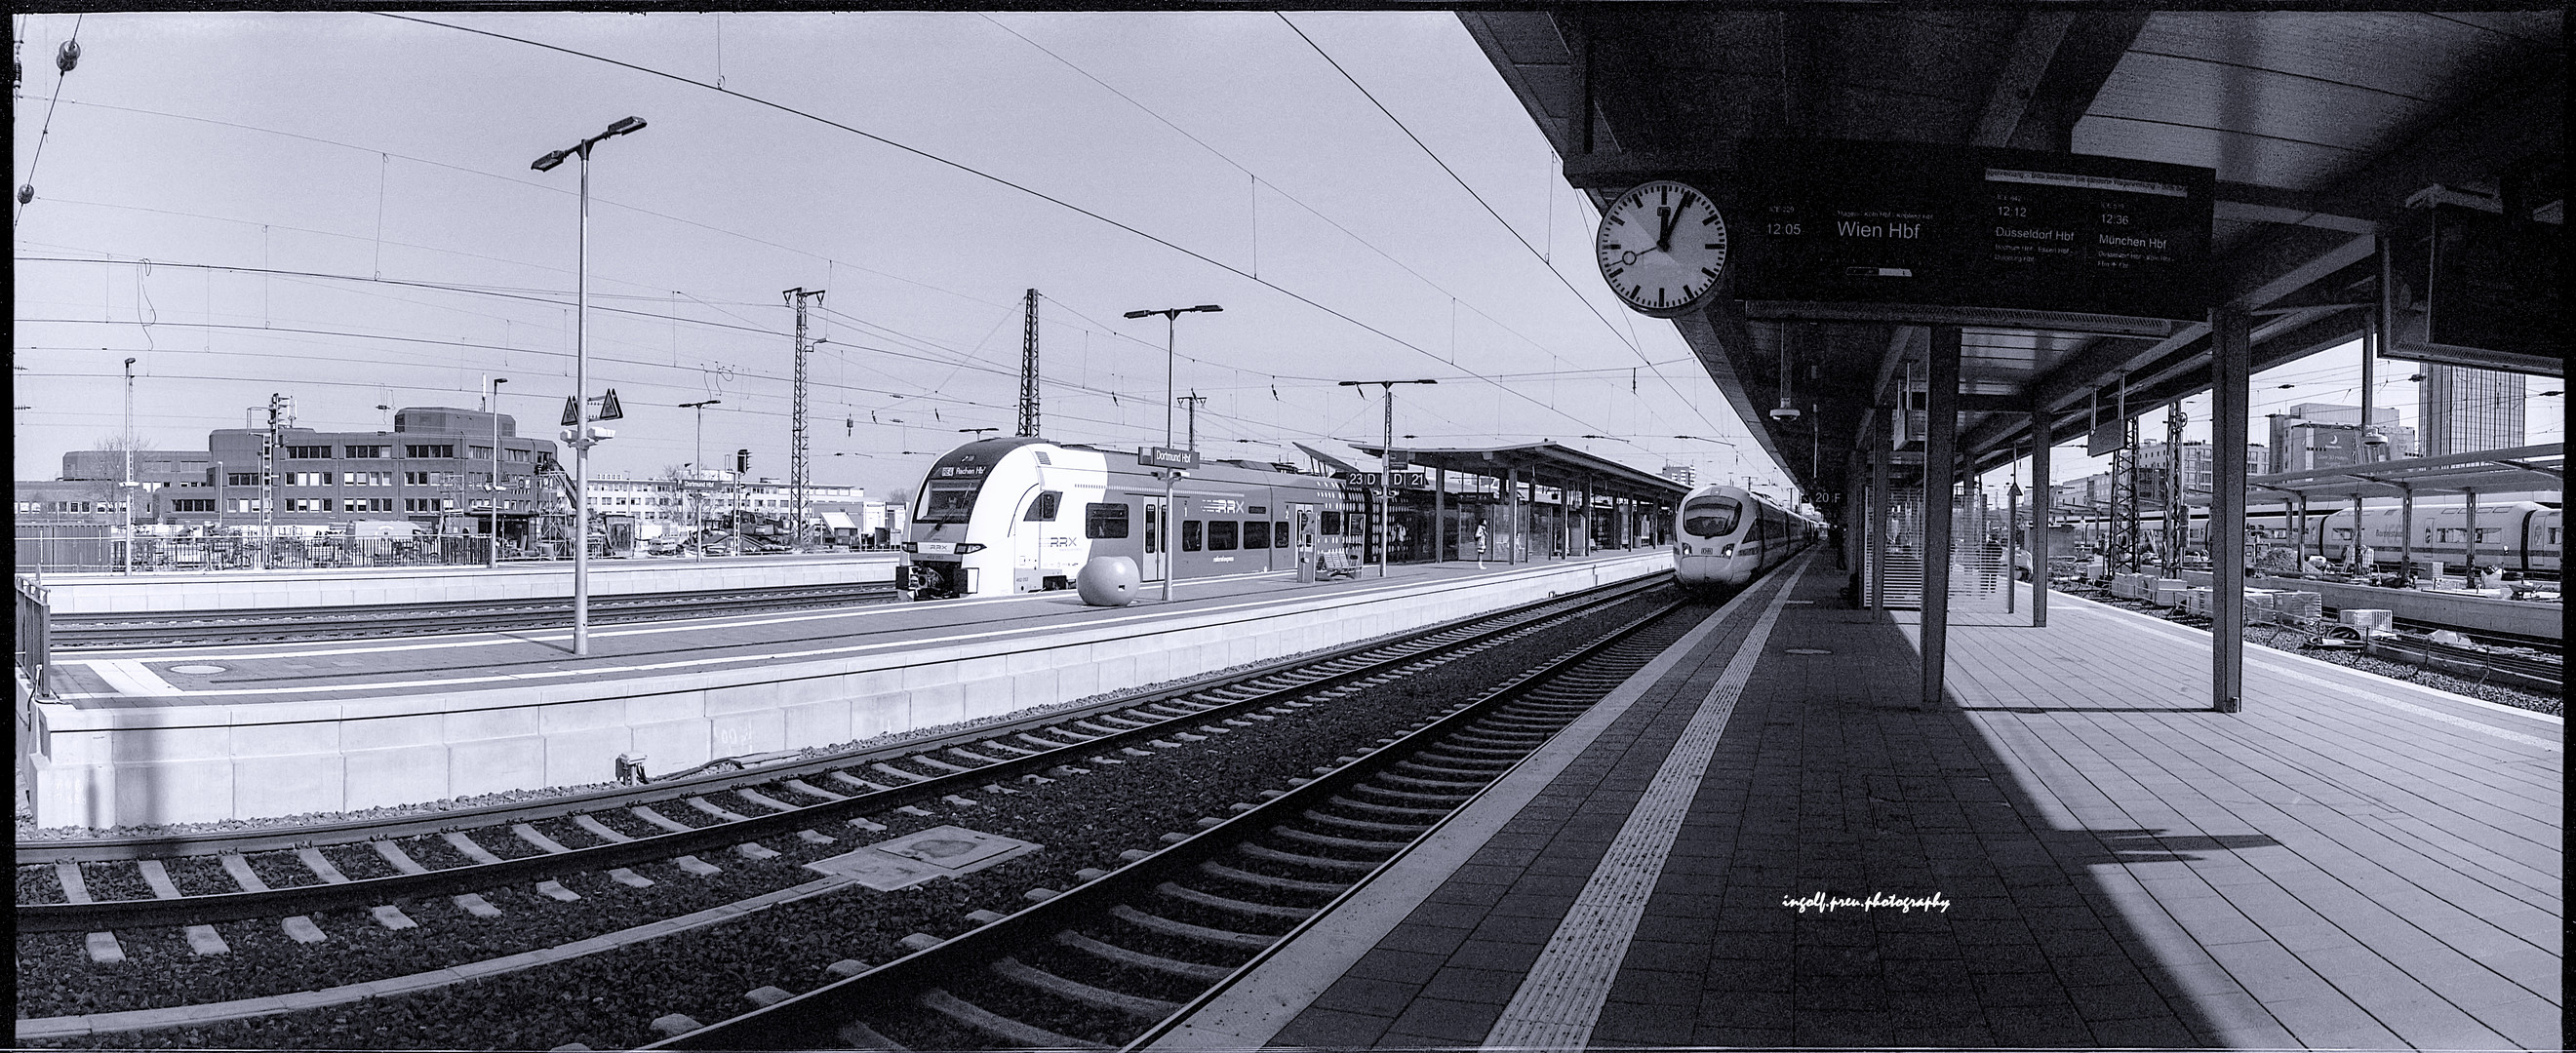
(1662,247)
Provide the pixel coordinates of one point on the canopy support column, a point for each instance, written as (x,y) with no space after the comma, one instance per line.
(2040,499)
(2406,533)
(2231,331)
(1878,509)
(1939,472)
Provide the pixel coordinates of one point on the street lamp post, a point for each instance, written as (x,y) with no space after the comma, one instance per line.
(1386,480)
(698,523)
(586,436)
(1171,476)
(492,405)
(129,466)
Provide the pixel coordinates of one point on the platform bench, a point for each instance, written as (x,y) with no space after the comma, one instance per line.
(1331,565)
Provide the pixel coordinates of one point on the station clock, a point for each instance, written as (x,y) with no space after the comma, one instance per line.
(1662,247)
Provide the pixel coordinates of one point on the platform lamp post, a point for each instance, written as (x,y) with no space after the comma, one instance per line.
(585,436)
(1386,481)
(1171,476)
(492,405)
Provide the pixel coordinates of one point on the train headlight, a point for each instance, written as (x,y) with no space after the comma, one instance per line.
(909,546)
(968,550)
(1727,551)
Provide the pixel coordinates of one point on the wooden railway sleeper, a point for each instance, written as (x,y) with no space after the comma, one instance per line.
(977,1018)
(1111,952)
(1148,1010)
(1231,905)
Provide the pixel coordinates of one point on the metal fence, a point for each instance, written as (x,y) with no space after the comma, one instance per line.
(34,646)
(91,550)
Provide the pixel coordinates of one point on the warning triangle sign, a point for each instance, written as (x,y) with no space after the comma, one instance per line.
(572,411)
(608,409)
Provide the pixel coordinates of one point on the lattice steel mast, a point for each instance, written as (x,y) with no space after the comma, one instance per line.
(800,460)
(1029,369)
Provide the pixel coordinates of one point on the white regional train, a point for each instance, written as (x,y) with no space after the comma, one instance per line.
(1728,536)
(1009,515)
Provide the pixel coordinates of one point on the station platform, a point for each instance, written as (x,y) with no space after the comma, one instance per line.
(1762,840)
(200,734)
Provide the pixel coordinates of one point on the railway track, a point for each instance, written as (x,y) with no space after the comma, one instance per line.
(74,631)
(672,819)
(1106,963)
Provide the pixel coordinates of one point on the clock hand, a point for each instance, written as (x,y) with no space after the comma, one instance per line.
(1664,237)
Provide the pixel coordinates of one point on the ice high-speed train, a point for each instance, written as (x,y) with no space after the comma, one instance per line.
(1009,515)
(1728,536)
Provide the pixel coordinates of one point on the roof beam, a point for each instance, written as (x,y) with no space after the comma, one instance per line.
(2033,46)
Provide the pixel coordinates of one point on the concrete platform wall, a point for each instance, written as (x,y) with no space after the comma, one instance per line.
(255,590)
(102,767)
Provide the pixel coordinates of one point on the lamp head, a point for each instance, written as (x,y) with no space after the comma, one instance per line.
(549,161)
(1207,307)
(1785,414)
(1141,314)
(630,124)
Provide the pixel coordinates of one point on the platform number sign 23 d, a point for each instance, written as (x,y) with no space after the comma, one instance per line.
(1662,247)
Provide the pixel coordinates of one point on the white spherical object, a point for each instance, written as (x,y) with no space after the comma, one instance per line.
(1107,581)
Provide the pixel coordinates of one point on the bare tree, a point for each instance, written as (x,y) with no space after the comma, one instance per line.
(116,443)
(898,495)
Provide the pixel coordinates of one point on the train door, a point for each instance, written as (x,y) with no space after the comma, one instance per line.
(1301,530)
(1155,564)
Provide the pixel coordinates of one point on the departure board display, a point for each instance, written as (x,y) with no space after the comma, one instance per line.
(1901,223)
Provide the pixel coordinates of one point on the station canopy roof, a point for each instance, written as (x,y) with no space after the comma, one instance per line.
(2320,126)
(1547,463)
(2485,471)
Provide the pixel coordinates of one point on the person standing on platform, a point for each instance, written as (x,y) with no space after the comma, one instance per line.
(1480,546)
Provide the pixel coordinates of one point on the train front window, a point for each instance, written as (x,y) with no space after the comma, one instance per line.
(1711,516)
(948,503)
(1043,509)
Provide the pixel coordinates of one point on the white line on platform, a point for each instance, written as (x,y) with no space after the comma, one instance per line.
(166,689)
(2355,691)
(1561,999)
(131,679)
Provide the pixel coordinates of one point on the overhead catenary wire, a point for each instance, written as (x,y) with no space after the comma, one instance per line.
(981,174)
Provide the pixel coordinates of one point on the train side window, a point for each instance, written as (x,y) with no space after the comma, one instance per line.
(1103,520)
(1332,522)
(1042,510)
(1220,535)
(1153,531)
(1279,535)
(1256,535)
(1189,535)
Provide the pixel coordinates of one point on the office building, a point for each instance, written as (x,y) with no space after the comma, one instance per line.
(2464,410)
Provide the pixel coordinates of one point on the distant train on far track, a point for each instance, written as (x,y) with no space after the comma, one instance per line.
(1727,536)
(1002,516)
(2520,536)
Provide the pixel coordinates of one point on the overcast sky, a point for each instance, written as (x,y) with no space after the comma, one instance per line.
(339,207)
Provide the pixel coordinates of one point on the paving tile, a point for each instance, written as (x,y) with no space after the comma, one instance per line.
(1441,940)
(1493,986)
(2529,1021)
(2130,1001)
(1651,1024)
(1492,954)
(2330,1020)
(1362,995)
(1446,1022)
(1397,966)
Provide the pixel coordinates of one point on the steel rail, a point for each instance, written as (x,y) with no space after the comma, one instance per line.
(808,1021)
(108,915)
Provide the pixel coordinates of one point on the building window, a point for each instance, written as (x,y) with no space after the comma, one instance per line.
(246,504)
(519,456)
(370,504)
(306,504)
(366,478)
(415,478)
(420,504)
(364,453)
(479,453)
(308,453)
(207,505)
(429,450)
(241,478)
